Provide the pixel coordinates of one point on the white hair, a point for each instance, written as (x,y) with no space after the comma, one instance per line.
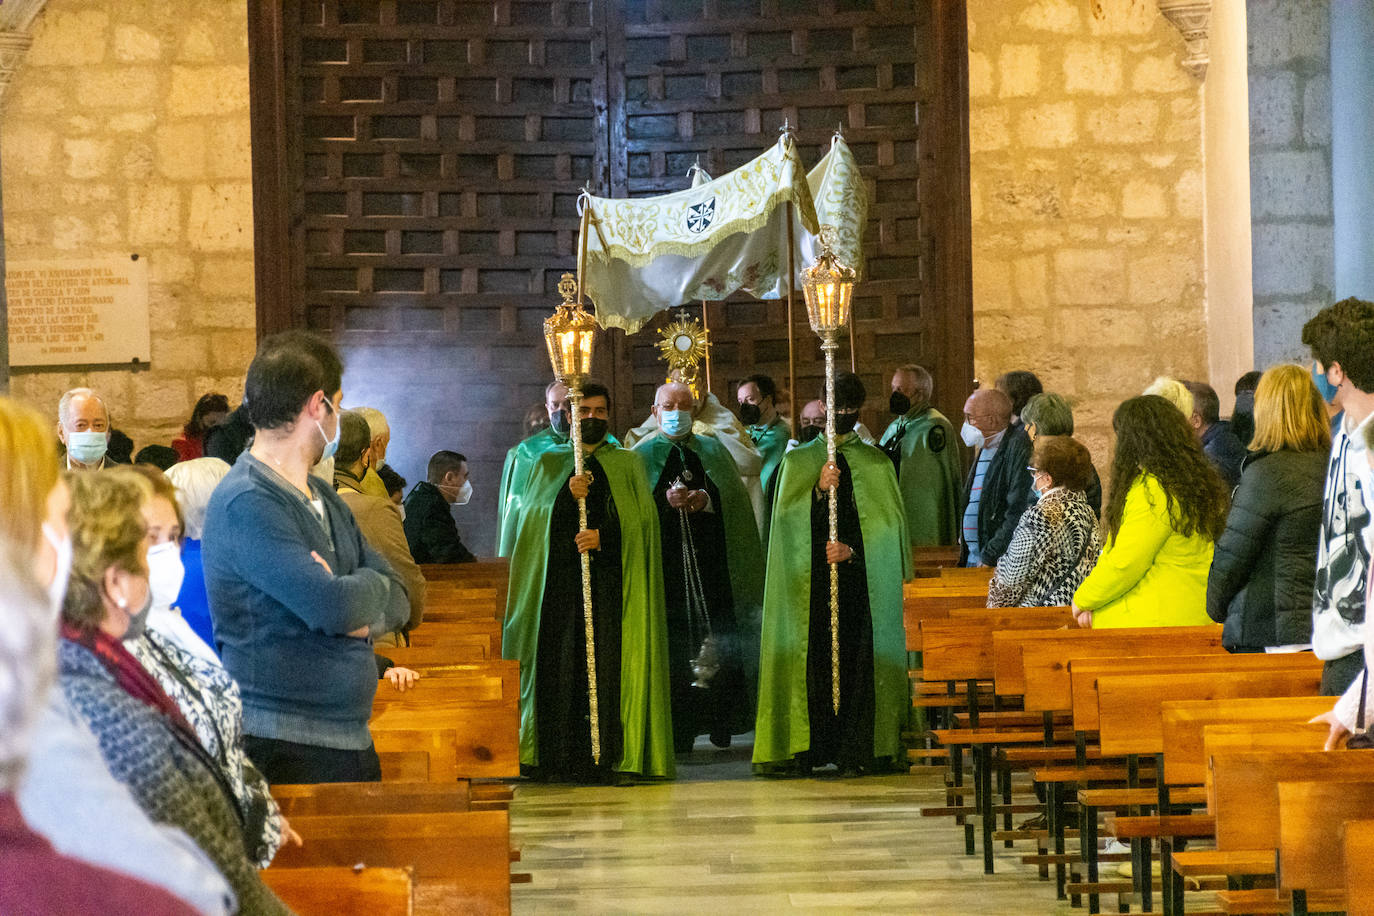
(195,480)
(28,661)
(64,404)
(1173,391)
(376,421)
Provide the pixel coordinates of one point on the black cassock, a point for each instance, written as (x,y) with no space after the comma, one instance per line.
(563,713)
(721,708)
(845,739)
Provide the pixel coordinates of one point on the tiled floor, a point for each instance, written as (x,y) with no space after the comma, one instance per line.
(719,841)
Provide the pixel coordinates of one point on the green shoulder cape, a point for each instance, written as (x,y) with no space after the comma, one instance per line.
(519,459)
(930,476)
(741,532)
(645,715)
(772,445)
(783,728)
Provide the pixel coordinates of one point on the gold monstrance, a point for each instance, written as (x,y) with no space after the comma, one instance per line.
(828,286)
(570,333)
(685,345)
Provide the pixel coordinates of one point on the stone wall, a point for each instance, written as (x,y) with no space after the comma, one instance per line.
(1087,193)
(126,130)
(1290,171)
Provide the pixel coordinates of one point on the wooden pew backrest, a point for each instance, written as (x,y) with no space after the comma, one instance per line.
(1186,720)
(1358,848)
(1244,797)
(1044,676)
(960,648)
(344,891)
(1129,706)
(1084,673)
(1311,815)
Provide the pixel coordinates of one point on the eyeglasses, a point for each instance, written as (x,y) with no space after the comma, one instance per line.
(1034,471)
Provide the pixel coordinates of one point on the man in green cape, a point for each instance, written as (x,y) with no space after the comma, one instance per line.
(921,444)
(757,396)
(544,626)
(712,574)
(797,727)
(521,458)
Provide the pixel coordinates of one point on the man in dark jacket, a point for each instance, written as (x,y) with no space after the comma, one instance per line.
(998,485)
(1219,444)
(430,529)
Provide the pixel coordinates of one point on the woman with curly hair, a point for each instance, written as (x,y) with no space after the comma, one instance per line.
(1164,514)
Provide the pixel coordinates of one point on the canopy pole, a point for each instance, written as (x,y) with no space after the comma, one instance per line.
(582,246)
(791,328)
(706,332)
(853,362)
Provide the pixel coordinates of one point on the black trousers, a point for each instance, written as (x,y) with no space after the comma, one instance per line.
(288,762)
(1339,673)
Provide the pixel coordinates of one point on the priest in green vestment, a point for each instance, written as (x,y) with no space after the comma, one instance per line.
(712,573)
(520,458)
(544,627)
(922,446)
(797,728)
(757,397)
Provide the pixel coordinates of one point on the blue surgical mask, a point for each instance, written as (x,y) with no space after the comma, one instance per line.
(675,423)
(330,445)
(1328,390)
(87,447)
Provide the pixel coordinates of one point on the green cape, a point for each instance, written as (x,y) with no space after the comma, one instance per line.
(930,477)
(645,716)
(519,459)
(772,445)
(741,532)
(783,727)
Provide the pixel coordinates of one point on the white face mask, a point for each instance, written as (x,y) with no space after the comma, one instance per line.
(972,436)
(464,494)
(165,573)
(57,588)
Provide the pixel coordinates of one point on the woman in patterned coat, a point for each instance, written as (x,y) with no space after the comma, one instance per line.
(1057,542)
(147,742)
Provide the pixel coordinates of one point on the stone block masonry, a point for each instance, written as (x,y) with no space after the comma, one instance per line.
(126,130)
(1086,160)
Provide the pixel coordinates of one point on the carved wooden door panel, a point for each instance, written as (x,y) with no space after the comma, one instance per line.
(417,165)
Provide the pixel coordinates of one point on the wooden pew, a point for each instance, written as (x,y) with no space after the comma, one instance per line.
(1358,848)
(1311,852)
(484,631)
(461,860)
(1185,721)
(461,725)
(344,890)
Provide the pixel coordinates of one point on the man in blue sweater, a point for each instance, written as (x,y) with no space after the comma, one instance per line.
(296,593)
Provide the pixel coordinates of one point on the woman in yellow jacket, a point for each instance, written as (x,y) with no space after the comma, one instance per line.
(1166,508)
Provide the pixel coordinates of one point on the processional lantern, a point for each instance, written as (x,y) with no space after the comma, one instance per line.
(570,333)
(829,286)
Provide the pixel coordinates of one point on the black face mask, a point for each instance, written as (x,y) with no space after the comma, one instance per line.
(899,403)
(845,422)
(593,430)
(809,432)
(750,414)
(560,423)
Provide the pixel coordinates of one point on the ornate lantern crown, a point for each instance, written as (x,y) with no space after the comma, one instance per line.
(828,286)
(570,333)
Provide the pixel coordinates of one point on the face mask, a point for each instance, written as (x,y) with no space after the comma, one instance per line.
(898,403)
(138,622)
(402,508)
(845,422)
(593,430)
(750,414)
(87,447)
(675,423)
(809,432)
(1328,390)
(972,436)
(464,494)
(57,588)
(330,445)
(559,422)
(165,573)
